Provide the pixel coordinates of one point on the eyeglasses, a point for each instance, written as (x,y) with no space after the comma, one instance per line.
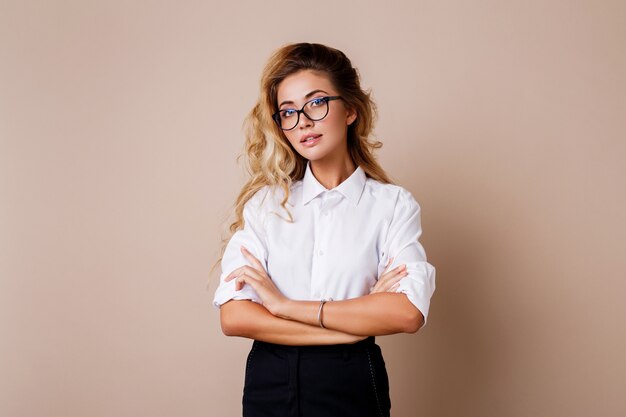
(315,110)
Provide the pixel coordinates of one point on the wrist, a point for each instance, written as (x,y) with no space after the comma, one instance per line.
(284,308)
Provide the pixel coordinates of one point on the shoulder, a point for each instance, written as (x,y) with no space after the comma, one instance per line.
(397,195)
(259,196)
(256,201)
(268,197)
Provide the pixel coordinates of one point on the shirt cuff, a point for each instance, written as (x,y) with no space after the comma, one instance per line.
(226,292)
(419,286)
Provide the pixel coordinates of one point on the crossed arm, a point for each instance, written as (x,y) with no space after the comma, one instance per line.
(291,322)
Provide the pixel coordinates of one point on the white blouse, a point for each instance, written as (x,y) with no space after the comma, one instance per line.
(338,244)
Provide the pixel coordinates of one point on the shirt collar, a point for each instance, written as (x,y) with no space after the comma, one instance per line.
(351,188)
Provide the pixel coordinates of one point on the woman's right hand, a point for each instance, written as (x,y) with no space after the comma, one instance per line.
(388,281)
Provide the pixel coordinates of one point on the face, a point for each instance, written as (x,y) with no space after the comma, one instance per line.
(331,132)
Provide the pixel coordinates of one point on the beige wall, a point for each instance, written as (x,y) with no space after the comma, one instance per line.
(119,128)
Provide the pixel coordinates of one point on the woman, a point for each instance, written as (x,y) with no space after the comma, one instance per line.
(325,253)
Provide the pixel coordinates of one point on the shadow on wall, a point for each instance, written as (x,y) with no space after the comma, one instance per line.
(454,364)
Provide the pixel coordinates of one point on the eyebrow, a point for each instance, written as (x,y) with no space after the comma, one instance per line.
(307,96)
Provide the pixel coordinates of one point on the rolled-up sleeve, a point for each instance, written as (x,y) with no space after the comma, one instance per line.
(252,236)
(402,244)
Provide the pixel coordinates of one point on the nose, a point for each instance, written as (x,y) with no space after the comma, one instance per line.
(304,121)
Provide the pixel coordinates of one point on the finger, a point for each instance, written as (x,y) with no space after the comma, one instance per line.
(389,262)
(245,278)
(394,271)
(237,272)
(233,274)
(391,280)
(252,273)
(397,276)
(388,279)
(252,258)
(239,281)
(389,287)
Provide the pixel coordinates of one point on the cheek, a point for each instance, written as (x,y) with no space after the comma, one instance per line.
(335,123)
(292,138)
(337,117)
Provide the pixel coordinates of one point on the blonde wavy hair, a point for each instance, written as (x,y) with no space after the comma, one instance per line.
(269,157)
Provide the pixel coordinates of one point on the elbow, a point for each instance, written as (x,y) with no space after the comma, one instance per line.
(229,327)
(412,318)
(229,321)
(413,321)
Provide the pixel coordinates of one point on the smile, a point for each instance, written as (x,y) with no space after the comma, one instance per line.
(311,140)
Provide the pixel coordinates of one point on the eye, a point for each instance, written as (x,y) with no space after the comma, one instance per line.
(287,113)
(317,101)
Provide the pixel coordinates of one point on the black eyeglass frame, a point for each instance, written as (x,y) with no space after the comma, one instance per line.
(326,99)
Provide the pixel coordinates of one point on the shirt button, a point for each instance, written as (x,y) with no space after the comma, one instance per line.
(325,213)
(321,252)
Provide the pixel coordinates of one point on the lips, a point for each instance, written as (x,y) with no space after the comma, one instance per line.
(309,137)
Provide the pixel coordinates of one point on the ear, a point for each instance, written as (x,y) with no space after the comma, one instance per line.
(351,116)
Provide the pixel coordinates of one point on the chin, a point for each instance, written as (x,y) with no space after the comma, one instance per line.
(313,154)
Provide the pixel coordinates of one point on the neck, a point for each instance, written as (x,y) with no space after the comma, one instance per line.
(332,173)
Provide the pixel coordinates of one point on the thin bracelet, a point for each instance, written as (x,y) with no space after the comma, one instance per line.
(319,314)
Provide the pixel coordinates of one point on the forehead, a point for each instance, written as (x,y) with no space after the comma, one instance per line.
(296,86)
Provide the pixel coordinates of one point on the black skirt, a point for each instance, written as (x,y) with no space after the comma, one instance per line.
(316,381)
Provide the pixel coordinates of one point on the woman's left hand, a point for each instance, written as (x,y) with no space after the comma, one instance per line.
(257,277)
(390,279)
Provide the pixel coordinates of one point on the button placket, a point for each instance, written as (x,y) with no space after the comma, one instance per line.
(318,249)
(326,202)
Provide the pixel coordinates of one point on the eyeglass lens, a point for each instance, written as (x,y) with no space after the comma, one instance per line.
(315,109)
